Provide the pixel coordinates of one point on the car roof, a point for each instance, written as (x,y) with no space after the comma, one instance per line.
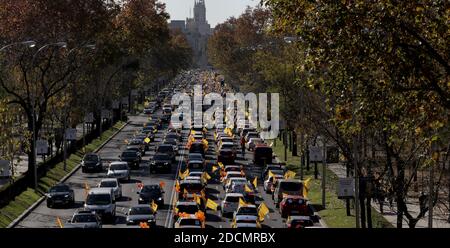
(141,206)
(109,180)
(234,173)
(186,181)
(299,217)
(118,162)
(100,191)
(186,203)
(247,206)
(290,180)
(246,217)
(234,195)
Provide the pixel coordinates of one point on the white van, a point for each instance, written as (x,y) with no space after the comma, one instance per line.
(102,202)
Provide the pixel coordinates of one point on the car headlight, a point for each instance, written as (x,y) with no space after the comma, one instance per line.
(66,196)
(140,199)
(49,196)
(166,163)
(160,199)
(98,163)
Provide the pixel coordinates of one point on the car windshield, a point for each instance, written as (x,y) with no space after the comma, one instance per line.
(84,218)
(59,188)
(167,148)
(291,186)
(150,188)
(195,166)
(118,167)
(247,211)
(94,199)
(192,186)
(190,209)
(195,156)
(227,169)
(232,199)
(129,154)
(161,157)
(170,141)
(91,158)
(234,175)
(227,146)
(108,184)
(190,222)
(135,142)
(141,211)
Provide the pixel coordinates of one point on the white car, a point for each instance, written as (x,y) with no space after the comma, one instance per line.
(230,203)
(113,184)
(190,221)
(246,221)
(246,210)
(232,181)
(119,170)
(251,144)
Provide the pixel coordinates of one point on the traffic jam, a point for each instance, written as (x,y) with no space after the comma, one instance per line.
(159,174)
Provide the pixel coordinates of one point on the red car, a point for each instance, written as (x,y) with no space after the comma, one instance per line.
(295,205)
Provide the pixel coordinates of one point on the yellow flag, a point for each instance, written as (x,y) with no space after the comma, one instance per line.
(214,168)
(211,205)
(220,164)
(306,187)
(59,223)
(255,182)
(185,192)
(242,203)
(193,132)
(147,140)
(177,186)
(197,199)
(248,189)
(271,174)
(154,206)
(289,175)
(263,211)
(206,176)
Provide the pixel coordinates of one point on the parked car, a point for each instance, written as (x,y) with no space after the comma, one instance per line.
(60,195)
(119,170)
(91,162)
(141,213)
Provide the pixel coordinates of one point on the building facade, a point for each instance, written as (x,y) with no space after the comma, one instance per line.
(197,31)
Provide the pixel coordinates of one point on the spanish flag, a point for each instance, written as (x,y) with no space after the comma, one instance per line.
(211,205)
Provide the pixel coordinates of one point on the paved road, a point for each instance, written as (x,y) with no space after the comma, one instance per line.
(43,217)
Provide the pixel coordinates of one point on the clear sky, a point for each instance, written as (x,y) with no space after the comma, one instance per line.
(217,11)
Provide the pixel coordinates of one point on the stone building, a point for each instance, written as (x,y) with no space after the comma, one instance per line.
(197,31)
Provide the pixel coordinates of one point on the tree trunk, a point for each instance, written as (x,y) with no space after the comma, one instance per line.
(369,212)
(294,144)
(399,197)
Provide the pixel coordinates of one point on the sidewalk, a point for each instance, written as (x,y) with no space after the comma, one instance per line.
(21,167)
(390,214)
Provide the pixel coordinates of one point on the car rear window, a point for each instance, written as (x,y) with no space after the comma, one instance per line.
(232,199)
(290,186)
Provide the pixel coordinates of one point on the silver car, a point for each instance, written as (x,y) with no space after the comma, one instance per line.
(84,219)
(114,184)
(119,170)
(102,202)
(141,213)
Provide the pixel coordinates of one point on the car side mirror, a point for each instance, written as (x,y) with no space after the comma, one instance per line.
(138,192)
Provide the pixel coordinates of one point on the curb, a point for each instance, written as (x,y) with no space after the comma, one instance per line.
(38,202)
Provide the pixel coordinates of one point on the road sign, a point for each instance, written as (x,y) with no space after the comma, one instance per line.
(346,188)
(115,104)
(41,147)
(89,118)
(71,134)
(315,154)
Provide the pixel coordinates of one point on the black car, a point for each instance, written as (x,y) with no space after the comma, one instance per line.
(167,149)
(161,161)
(137,143)
(226,156)
(273,167)
(133,158)
(142,137)
(174,135)
(60,195)
(91,162)
(151,193)
(165,118)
